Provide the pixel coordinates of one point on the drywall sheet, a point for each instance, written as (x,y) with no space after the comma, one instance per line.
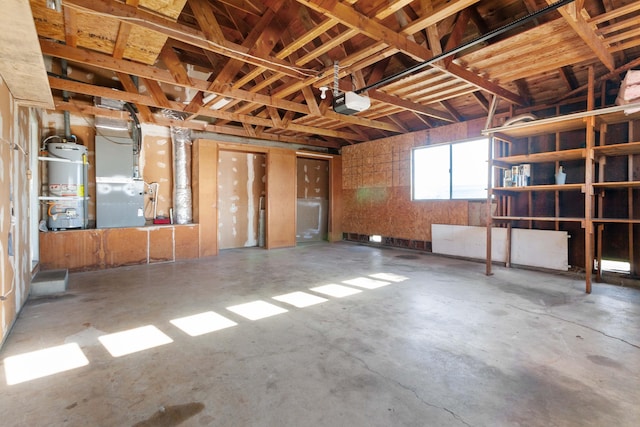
(468,242)
(540,248)
(313,178)
(15,191)
(241,184)
(535,248)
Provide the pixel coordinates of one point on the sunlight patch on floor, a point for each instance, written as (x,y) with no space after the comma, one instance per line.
(42,363)
(134,340)
(202,323)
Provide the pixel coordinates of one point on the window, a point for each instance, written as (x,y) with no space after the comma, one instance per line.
(451,171)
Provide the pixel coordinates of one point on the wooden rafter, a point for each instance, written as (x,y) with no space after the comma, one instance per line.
(587,32)
(183,33)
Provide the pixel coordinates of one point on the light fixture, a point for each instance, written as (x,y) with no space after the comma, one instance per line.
(210,97)
(55,5)
(323,92)
(221,103)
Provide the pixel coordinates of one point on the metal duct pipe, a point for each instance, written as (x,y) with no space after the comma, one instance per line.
(181,141)
(65,97)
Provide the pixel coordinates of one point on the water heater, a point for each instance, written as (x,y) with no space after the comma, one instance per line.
(67,175)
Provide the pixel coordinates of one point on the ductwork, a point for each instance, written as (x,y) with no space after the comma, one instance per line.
(181,141)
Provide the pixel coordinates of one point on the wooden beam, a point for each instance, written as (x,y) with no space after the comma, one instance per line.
(162,25)
(138,99)
(129,86)
(454,113)
(70,27)
(587,32)
(369,27)
(311,101)
(149,72)
(484,103)
(445,10)
(173,63)
(87,109)
(207,20)
(157,93)
(567,76)
(373,29)
(121,40)
(410,106)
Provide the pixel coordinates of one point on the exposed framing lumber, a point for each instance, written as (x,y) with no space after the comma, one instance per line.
(149,72)
(587,33)
(138,99)
(373,29)
(162,25)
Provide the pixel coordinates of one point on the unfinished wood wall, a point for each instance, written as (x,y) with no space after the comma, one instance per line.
(93,249)
(15,246)
(376,186)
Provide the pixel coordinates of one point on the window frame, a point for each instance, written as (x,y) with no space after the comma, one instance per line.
(487,140)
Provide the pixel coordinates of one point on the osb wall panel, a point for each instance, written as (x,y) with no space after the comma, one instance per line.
(15,262)
(390,212)
(186,242)
(335,199)
(313,178)
(241,184)
(161,244)
(281,198)
(99,33)
(376,184)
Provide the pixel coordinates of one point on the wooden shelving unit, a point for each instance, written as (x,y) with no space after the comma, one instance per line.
(591,187)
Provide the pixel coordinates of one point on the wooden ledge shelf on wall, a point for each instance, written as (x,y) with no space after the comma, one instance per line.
(616,220)
(548,156)
(617,184)
(617,149)
(536,218)
(549,187)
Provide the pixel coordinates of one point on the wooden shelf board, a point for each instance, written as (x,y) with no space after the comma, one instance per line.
(617,184)
(565,123)
(547,156)
(617,220)
(617,149)
(549,187)
(536,218)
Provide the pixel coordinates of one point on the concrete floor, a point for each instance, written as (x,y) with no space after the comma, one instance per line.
(439,344)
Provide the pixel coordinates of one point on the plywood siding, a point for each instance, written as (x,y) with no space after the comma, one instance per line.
(376,186)
(281,198)
(204,181)
(15,248)
(335,199)
(81,250)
